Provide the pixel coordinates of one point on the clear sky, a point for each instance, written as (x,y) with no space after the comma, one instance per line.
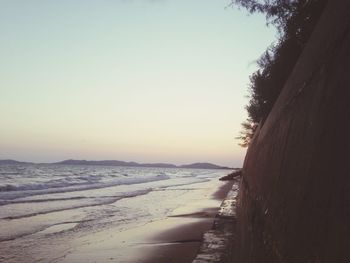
(141,80)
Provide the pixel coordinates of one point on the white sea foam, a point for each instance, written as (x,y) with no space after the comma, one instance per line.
(45,204)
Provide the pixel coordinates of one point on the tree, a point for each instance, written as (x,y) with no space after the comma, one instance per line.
(295,21)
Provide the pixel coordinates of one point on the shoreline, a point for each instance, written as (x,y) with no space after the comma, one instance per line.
(175,238)
(182,242)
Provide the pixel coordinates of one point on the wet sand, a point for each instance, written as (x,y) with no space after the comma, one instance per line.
(181,242)
(176,238)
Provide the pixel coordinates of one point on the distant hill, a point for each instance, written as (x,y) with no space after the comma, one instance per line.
(203,166)
(8,161)
(105,162)
(116,163)
(128,164)
(134,164)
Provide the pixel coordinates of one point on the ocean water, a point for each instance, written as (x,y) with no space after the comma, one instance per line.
(44,208)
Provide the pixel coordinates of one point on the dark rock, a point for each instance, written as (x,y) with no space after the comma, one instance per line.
(232,176)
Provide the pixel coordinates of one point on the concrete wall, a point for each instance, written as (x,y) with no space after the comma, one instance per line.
(294,201)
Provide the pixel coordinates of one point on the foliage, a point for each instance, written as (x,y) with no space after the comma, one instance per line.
(295,21)
(247,132)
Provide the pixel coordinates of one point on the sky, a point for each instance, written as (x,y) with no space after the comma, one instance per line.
(132,80)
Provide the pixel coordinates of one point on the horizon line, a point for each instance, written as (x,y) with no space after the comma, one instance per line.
(101,160)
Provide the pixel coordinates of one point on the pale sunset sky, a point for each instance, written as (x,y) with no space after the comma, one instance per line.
(131,80)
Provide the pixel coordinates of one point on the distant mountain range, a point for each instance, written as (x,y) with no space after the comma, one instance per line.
(127,164)
(12,162)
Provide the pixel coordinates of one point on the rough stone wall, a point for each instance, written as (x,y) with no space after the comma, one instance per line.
(294,200)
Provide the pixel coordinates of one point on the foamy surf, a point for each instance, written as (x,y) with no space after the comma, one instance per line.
(47,207)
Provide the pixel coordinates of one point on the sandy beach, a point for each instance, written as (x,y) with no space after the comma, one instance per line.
(180,241)
(176,238)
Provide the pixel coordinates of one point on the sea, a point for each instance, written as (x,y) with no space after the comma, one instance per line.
(44,208)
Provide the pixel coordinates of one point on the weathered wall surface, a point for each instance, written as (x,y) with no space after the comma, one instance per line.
(294,201)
